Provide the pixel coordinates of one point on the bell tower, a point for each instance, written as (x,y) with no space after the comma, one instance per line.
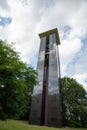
(46,106)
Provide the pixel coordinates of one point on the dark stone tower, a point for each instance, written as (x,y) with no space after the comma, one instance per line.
(46,105)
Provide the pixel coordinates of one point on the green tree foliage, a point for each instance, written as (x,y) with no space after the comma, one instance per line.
(17,80)
(74,99)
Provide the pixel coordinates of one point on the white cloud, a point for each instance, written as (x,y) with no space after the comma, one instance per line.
(82,79)
(30,17)
(68,50)
(21,30)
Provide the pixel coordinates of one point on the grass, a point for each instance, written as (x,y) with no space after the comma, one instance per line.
(22,125)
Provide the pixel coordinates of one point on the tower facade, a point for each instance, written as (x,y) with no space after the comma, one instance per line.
(46,104)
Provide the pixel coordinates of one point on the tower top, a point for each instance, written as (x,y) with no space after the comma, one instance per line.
(53,31)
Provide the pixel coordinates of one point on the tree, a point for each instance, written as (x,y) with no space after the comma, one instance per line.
(17,80)
(74,102)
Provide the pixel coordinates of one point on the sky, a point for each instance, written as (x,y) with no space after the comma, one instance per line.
(22,20)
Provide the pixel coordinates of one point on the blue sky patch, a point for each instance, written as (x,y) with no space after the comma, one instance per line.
(34,60)
(66,30)
(85,81)
(5,20)
(84,41)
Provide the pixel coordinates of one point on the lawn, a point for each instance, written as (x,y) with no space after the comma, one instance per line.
(22,125)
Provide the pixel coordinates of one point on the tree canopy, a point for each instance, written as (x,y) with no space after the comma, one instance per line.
(17,80)
(74,99)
